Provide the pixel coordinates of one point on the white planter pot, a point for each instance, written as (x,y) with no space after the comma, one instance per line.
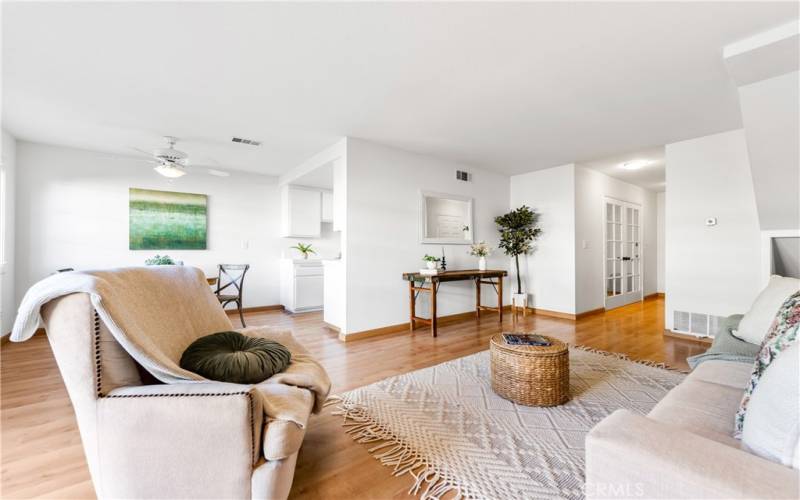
(519,300)
(482,264)
(430,264)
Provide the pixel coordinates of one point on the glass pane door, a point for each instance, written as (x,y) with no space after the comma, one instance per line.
(622,279)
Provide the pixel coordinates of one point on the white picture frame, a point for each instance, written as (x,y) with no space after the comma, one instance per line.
(452,226)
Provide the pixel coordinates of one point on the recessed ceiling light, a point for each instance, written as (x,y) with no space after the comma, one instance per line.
(634,164)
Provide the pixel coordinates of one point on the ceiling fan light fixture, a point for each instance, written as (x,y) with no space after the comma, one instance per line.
(170,171)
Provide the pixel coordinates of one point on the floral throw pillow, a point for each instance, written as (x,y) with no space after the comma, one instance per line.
(782,334)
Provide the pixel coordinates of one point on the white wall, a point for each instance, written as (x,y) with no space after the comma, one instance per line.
(549,272)
(382,241)
(591,188)
(771,119)
(327,246)
(8,306)
(660,242)
(712,270)
(72,211)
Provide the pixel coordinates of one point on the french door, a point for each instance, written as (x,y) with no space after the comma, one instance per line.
(622,279)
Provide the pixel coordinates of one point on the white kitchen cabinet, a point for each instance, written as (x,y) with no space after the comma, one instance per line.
(301,212)
(301,285)
(327,206)
(308,294)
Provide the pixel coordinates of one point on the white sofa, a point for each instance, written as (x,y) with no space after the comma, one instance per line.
(684,447)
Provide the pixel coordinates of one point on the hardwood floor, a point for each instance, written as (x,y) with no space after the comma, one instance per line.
(42,454)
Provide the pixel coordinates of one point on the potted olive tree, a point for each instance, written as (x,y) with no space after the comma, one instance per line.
(518,230)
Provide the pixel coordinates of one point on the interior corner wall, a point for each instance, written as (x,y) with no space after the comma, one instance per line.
(771,119)
(591,189)
(336,276)
(549,272)
(383,240)
(710,269)
(660,258)
(72,211)
(7,295)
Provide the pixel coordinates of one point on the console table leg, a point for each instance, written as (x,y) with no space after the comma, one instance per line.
(412,305)
(500,298)
(478,298)
(433,307)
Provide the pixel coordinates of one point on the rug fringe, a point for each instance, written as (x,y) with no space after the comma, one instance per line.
(429,482)
(625,357)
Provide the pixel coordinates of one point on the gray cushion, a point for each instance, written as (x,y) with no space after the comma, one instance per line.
(233,357)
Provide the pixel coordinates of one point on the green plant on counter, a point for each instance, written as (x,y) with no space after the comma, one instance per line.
(304,249)
(431,258)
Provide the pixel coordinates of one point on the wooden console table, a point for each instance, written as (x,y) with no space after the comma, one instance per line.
(479,277)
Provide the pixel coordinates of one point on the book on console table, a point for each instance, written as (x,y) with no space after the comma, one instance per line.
(429,272)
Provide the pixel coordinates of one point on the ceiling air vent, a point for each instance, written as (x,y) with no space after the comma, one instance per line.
(249,142)
(462,176)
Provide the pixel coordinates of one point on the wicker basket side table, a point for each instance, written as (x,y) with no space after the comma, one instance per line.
(530,375)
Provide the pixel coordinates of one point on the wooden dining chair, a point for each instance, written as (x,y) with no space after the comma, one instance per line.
(233,276)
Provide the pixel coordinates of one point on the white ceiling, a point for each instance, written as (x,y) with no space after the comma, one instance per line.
(509,86)
(652,176)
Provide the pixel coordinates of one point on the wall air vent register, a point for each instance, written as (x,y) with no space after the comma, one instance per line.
(697,324)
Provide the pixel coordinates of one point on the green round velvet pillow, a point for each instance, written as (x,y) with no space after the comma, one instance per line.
(237,358)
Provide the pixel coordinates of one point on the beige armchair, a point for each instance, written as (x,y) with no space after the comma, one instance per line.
(187,440)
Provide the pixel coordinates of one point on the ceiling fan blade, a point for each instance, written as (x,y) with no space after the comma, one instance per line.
(210,170)
(127,158)
(146,153)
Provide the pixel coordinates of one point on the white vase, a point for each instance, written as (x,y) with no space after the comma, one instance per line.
(482,264)
(431,264)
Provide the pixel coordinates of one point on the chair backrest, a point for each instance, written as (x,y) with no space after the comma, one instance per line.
(233,275)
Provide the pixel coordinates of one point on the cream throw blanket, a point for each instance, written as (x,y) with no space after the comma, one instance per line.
(156,312)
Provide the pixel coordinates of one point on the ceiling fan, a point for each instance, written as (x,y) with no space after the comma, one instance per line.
(173,163)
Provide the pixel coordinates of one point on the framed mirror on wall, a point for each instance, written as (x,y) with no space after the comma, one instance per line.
(445,219)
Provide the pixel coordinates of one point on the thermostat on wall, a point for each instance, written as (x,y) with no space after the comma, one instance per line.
(711,221)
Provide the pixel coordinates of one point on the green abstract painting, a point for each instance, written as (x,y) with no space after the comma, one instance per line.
(164,220)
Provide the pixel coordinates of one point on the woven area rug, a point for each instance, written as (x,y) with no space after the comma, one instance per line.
(454,437)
